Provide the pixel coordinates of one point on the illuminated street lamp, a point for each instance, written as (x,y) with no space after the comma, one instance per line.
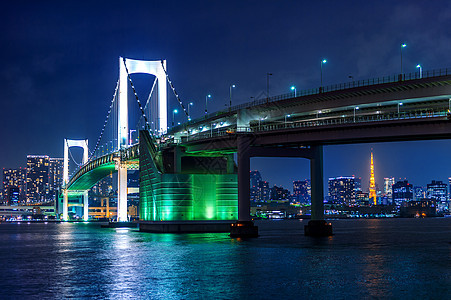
(317,113)
(206,101)
(189,116)
(399,104)
(230,94)
(355,108)
(421,70)
(173,116)
(293,88)
(402,46)
(286,116)
(322,62)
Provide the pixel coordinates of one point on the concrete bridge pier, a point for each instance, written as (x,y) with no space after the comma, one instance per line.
(85,206)
(244,227)
(317,226)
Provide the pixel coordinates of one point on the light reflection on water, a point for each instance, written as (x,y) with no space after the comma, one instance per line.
(394,258)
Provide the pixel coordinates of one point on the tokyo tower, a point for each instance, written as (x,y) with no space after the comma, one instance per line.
(372,183)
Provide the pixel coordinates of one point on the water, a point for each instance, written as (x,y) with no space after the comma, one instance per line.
(390,258)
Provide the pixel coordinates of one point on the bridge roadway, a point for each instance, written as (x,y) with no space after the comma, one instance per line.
(417,109)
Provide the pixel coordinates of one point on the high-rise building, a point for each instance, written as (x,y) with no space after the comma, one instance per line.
(419,193)
(255,179)
(402,192)
(388,187)
(279,193)
(55,176)
(302,191)
(14,181)
(37,178)
(342,190)
(104,187)
(438,191)
(372,194)
(264,191)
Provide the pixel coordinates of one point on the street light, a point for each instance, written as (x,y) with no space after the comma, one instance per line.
(230,94)
(131,140)
(402,46)
(317,113)
(267,86)
(355,108)
(173,116)
(293,88)
(322,62)
(421,70)
(206,100)
(399,104)
(189,116)
(286,116)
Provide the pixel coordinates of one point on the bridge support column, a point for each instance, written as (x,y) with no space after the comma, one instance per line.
(65,205)
(230,164)
(85,206)
(122,193)
(244,227)
(317,226)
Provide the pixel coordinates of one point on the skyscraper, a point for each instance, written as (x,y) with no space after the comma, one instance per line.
(438,191)
(14,185)
(402,192)
(255,179)
(302,191)
(37,178)
(342,190)
(55,176)
(388,187)
(372,195)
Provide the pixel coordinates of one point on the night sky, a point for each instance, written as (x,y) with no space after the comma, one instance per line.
(60,66)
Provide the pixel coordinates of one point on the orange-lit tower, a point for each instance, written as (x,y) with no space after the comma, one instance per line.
(372,183)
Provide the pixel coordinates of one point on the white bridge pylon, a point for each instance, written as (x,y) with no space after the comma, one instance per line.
(136,66)
(68,144)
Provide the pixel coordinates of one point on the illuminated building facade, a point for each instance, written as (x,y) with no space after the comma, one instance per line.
(402,192)
(279,193)
(388,187)
(55,176)
(372,194)
(419,193)
(264,191)
(37,178)
(255,179)
(438,191)
(302,191)
(342,190)
(14,185)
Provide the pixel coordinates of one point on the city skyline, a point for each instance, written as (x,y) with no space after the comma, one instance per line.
(62,68)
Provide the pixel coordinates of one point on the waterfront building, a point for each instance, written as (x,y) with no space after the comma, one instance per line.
(264,192)
(55,177)
(388,187)
(372,193)
(438,191)
(361,198)
(37,178)
(419,193)
(279,193)
(255,179)
(342,190)
(302,191)
(14,181)
(402,192)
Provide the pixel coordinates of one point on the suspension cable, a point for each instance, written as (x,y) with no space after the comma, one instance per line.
(173,90)
(148,99)
(136,95)
(106,121)
(73,159)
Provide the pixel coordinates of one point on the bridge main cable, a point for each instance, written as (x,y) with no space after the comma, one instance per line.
(173,90)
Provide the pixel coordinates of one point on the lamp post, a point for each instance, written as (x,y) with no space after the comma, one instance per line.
(173,116)
(402,46)
(267,86)
(206,101)
(355,108)
(189,116)
(421,70)
(317,113)
(131,140)
(293,88)
(322,62)
(286,116)
(230,96)
(399,104)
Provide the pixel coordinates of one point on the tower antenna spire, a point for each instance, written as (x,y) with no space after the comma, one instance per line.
(372,195)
